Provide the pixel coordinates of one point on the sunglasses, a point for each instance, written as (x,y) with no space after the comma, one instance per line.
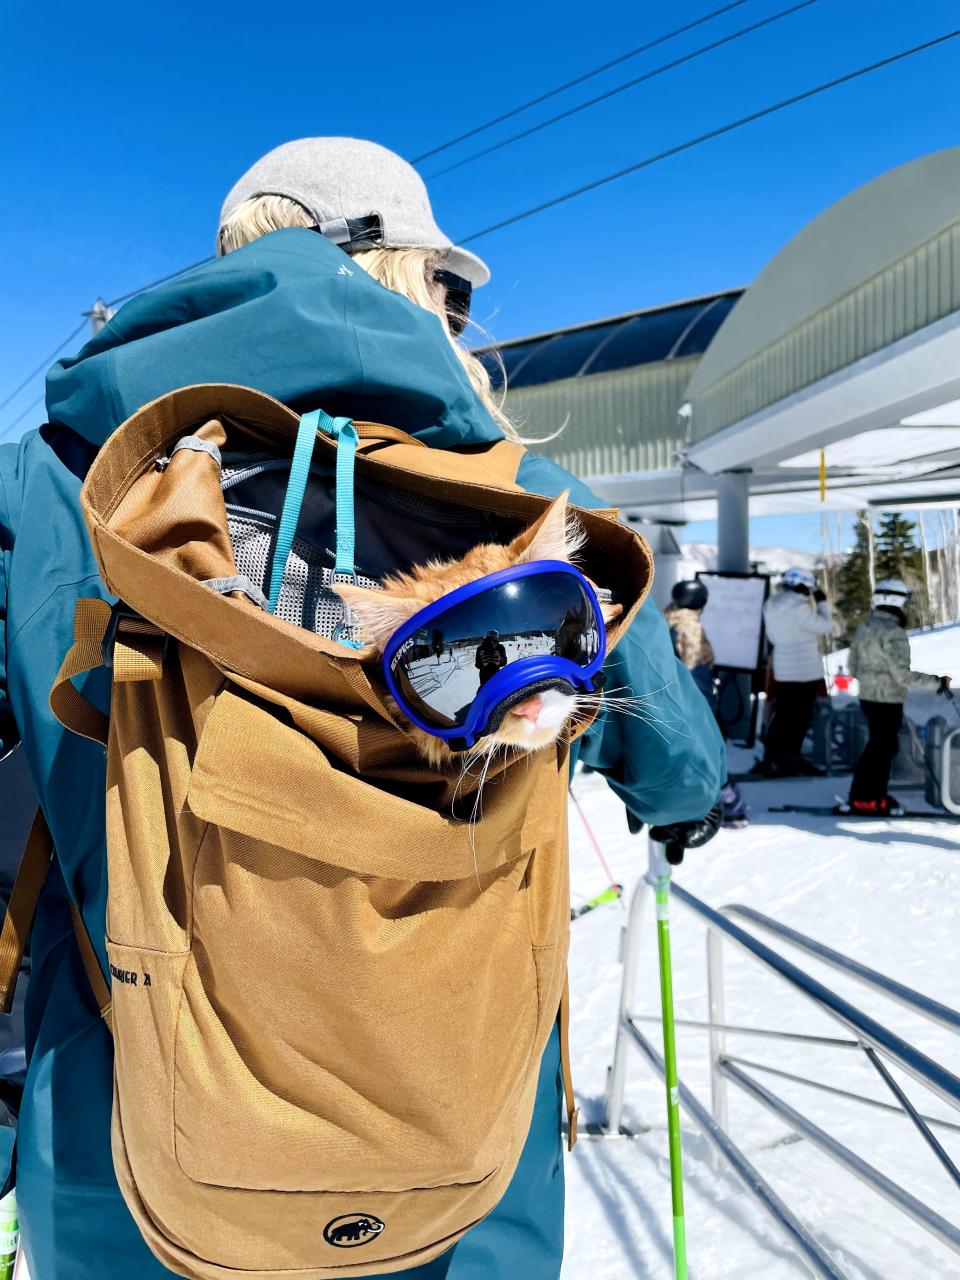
(458,294)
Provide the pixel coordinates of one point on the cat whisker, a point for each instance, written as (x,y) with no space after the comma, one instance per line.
(652,693)
(629,707)
(489,751)
(625,706)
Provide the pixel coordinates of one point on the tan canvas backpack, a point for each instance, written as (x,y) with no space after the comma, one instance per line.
(330,989)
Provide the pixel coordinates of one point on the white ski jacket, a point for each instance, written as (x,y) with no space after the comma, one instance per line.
(794,625)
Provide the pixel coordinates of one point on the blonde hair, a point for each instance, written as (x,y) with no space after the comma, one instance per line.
(405,271)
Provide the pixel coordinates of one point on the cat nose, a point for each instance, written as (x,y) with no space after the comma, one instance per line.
(529,709)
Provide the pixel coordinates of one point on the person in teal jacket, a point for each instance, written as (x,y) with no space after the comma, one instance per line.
(281,316)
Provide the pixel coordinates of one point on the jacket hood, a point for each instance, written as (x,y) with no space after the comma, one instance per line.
(290,315)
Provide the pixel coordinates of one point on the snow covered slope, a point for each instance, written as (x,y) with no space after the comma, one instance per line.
(886,894)
(703,555)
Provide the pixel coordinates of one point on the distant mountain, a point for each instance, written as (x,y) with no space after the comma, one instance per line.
(703,555)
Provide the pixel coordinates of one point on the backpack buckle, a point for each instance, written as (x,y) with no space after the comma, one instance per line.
(346,632)
(121,614)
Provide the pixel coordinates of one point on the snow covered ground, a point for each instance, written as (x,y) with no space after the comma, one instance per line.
(887,894)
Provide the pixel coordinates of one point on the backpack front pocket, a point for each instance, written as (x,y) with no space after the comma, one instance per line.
(343,1030)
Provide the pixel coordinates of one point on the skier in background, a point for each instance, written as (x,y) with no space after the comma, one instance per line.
(880,659)
(491,656)
(692,646)
(795,619)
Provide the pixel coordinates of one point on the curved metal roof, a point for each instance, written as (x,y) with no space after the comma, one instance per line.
(876,266)
(622,342)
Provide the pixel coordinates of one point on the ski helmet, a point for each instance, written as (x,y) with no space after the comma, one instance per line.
(891,593)
(689,594)
(801,580)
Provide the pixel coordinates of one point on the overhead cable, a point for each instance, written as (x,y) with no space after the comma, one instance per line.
(571,84)
(124,297)
(42,366)
(712,133)
(622,88)
(20,416)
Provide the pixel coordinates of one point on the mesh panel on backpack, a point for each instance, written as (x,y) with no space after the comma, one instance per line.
(306,596)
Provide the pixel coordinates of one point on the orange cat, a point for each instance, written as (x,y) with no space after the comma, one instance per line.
(535,722)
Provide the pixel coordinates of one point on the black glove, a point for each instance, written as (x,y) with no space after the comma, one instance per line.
(680,836)
(819,596)
(944,687)
(634,824)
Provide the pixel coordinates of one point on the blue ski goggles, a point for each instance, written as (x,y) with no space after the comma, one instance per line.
(457,666)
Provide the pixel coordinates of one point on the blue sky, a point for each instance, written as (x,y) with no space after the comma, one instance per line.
(124,127)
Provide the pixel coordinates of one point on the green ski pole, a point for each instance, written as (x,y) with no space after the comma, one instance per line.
(659,876)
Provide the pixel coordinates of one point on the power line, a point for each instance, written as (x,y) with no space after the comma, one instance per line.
(713,133)
(115,302)
(20,417)
(570,195)
(571,84)
(622,88)
(42,366)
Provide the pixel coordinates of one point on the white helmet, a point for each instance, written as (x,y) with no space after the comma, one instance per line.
(891,592)
(797,578)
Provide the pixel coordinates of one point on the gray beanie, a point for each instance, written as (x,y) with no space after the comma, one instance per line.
(338,179)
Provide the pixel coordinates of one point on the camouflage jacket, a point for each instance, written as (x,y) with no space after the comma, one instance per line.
(880,659)
(689,638)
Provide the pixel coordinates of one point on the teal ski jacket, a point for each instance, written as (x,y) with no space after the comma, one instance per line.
(293,317)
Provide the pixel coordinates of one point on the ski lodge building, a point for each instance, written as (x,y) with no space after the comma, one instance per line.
(845,351)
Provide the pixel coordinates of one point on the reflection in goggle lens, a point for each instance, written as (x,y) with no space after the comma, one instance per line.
(440,669)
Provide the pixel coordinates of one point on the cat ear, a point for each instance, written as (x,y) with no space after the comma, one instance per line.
(557,535)
(380,612)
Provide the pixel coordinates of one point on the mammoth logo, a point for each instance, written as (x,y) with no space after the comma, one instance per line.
(352,1229)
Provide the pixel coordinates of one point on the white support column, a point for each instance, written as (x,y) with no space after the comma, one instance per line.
(733,521)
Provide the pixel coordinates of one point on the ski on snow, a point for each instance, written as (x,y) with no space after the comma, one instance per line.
(836,811)
(613,894)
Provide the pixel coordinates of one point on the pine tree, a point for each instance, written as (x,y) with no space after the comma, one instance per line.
(899,556)
(853,599)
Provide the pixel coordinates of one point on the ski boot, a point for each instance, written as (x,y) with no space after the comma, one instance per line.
(734,808)
(888,807)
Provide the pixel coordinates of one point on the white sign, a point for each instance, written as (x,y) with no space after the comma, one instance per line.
(733,617)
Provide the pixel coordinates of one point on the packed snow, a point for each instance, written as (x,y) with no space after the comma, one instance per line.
(884,893)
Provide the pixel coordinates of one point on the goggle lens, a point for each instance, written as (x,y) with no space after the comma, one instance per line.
(441,667)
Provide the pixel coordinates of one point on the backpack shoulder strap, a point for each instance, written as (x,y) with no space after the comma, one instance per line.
(136,652)
(573,1111)
(101,633)
(22,907)
(31,877)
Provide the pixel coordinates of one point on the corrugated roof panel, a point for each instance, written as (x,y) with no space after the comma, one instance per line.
(700,334)
(621,342)
(562,356)
(645,339)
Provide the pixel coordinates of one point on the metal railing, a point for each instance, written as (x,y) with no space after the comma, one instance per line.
(878,1044)
(951,741)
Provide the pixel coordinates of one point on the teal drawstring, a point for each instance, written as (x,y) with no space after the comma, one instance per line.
(345,434)
(310,423)
(344,570)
